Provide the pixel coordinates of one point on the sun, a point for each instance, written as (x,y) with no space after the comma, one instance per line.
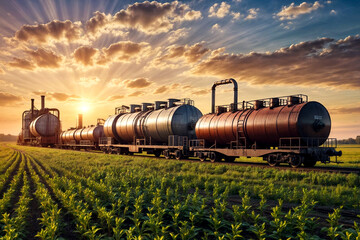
(84,107)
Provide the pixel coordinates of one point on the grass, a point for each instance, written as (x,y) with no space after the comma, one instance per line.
(99,196)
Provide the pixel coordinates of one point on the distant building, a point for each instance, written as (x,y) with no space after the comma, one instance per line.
(357,140)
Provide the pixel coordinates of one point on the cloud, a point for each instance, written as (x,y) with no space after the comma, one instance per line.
(1,71)
(21,63)
(97,22)
(123,51)
(136,94)
(345,110)
(252,13)
(333,12)
(148,17)
(293,11)
(89,81)
(161,89)
(190,53)
(54,30)
(323,62)
(216,28)
(45,58)
(200,92)
(219,11)
(38,58)
(236,15)
(137,83)
(8,99)
(177,34)
(84,55)
(61,97)
(115,97)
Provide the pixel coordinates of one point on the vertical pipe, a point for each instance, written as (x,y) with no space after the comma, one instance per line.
(80,121)
(42,102)
(32,108)
(213,99)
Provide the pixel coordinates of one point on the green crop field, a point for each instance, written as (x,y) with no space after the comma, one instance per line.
(61,194)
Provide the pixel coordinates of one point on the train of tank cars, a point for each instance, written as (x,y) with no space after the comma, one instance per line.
(287,129)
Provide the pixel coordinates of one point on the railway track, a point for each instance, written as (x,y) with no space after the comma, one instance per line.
(329,169)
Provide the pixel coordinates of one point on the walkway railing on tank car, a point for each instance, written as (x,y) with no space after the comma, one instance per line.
(176,140)
(106,140)
(239,144)
(296,143)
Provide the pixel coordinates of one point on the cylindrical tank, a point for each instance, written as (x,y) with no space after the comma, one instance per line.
(69,135)
(77,134)
(126,126)
(178,120)
(93,133)
(266,126)
(46,125)
(110,126)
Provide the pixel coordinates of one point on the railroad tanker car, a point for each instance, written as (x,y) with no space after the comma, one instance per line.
(40,127)
(288,129)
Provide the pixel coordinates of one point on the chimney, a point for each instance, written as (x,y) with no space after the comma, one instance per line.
(42,102)
(32,107)
(80,121)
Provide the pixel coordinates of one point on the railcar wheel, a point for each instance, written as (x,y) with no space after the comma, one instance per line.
(166,154)
(178,155)
(230,159)
(214,157)
(272,161)
(295,161)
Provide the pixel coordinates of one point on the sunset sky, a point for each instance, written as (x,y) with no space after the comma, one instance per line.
(92,56)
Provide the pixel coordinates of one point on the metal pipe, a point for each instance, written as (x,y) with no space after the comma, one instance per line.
(42,102)
(223,82)
(32,107)
(80,121)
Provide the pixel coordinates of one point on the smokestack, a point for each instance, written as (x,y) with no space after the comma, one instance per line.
(42,102)
(80,121)
(32,107)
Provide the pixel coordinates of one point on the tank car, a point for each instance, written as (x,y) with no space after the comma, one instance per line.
(272,127)
(40,127)
(151,127)
(82,137)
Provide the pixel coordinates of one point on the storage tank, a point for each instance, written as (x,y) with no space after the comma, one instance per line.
(46,125)
(77,134)
(177,120)
(126,126)
(110,126)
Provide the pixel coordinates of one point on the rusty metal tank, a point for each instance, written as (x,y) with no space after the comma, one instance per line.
(46,125)
(177,120)
(77,134)
(69,135)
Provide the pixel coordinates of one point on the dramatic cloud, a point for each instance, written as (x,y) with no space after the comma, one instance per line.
(148,17)
(115,97)
(89,81)
(252,13)
(97,22)
(177,34)
(61,97)
(45,58)
(39,58)
(137,83)
(122,51)
(84,55)
(190,53)
(345,110)
(8,99)
(21,63)
(54,30)
(219,11)
(320,62)
(201,92)
(293,11)
(161,89)
(1,70)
